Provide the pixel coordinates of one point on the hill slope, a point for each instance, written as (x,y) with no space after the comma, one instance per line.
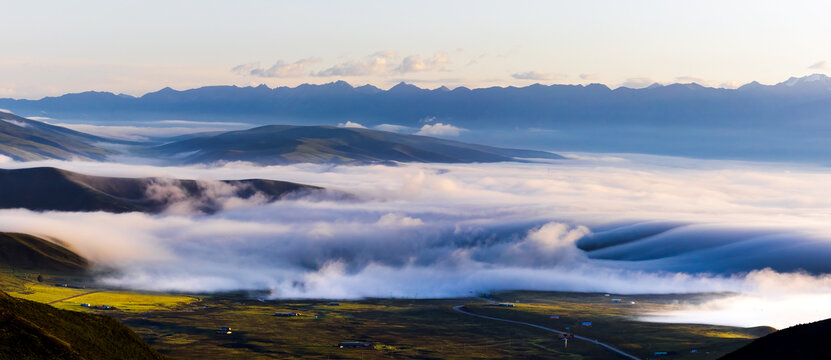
(44,189)
(806,341)
(30,330)
(285,144)
(22,251)
(23,139)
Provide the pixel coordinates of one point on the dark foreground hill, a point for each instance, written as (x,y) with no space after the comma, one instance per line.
(806,341)
(42,189)
(31,330)
(285,144)
(23,139)
(22,251)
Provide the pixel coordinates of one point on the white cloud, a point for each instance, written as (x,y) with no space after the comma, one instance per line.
(374,64)
(6,111)
(730,85)
(588,76)
(536,75)
(398,220)
(383,63)
(280,69)
(821,65)
(350,124)
(691,79)
(440,129)
(415,63)
(16,122)
(396,128)
(638,82)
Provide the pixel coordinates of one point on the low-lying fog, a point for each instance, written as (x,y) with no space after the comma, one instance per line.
(643,224)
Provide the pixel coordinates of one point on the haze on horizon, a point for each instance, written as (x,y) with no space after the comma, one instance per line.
(135,48)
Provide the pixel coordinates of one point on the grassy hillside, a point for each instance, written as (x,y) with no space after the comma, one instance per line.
(22,251)
(30,330)
(23,139)
(283,144)
(806,341)
(55,189)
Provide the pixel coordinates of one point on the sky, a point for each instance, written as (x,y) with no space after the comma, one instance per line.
(56,47)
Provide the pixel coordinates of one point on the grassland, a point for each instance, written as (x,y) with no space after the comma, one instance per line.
(184,327)
(75,290)
(429,329)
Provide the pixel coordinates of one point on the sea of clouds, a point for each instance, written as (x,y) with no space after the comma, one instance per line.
(623,224)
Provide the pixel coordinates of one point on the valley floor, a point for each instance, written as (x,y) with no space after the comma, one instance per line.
(186,326)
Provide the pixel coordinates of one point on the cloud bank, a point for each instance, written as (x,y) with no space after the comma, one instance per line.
(280,69)
(536,75)
(440,129)
(821,65)
(623,224)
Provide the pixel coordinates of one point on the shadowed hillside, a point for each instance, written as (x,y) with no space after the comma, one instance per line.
(31,330)
(23,139)
(44,189)
(22,251)
(806,341)
(284,144)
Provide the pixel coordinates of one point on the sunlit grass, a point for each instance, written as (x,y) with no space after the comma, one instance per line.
(22,285)
(128,301)
(47,293)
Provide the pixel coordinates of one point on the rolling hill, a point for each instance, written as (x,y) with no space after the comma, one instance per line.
(805,341)
(22,251)
(31,330)
(23,140)
(42,189)
(285,144)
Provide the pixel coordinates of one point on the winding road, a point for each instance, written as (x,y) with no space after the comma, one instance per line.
(607,346)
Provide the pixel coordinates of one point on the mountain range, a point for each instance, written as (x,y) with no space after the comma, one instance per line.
(785,121)
(406,104)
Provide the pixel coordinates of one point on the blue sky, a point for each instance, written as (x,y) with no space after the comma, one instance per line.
(54,47)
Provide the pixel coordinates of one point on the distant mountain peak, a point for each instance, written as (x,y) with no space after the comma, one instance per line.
(340,84)
(402,86)
(368,89)
(442,88)
(751,85)
(813,78)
